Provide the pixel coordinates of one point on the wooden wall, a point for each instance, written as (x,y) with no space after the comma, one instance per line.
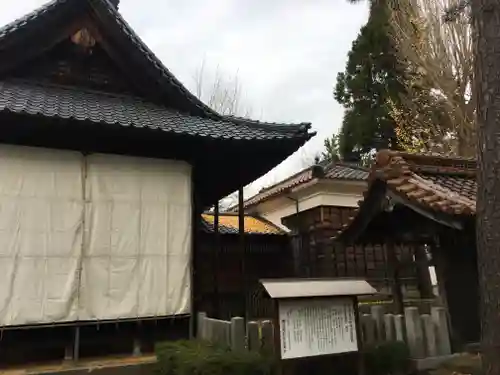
(222,290)
(316,254)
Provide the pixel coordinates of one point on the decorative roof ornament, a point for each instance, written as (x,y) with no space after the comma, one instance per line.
(83,38)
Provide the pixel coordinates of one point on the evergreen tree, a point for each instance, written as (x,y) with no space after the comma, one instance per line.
(331,151)
(371,80)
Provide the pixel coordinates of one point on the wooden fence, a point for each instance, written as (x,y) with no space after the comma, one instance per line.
(427,335)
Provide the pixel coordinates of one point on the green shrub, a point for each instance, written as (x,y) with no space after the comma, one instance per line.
(387,358)
(202,358)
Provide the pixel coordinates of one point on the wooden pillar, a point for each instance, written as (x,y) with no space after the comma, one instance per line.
(393,264)
(456,263)
(76,344)
(423,274)
(137,342)
(241,229)
(215,269)
(195,241)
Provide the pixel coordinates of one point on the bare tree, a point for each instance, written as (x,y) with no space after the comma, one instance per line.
(437,113)
(223,94)
(220,92)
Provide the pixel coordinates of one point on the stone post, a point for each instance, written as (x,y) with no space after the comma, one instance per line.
(443,334)
(414,332)
(430,335)
(390,330)
(399,327)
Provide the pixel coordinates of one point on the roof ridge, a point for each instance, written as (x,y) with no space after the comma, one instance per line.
(23,20)
(347,165)
(387,155)
(266,124)
(267,188)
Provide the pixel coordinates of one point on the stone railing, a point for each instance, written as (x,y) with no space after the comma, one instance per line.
(427,335)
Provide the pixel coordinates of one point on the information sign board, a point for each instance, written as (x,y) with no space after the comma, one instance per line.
(315,327)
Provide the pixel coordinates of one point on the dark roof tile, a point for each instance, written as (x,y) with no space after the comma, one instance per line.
(331,171)
(70,103)
(341,171)
(440,183)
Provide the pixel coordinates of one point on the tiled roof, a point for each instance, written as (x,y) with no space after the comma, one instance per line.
(340,171)
(432,182)
(57,11)
(229,224)
(70,103)
(436,182)
(332,171)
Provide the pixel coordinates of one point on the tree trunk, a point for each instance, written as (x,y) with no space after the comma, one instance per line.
(486,15)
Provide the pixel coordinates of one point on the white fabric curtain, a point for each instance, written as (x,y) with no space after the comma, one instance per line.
(137,238)
(106,237)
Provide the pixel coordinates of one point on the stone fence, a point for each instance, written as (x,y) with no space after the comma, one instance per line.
(427,335)
(235,333)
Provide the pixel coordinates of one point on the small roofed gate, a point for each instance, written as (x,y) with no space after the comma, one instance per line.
(428,200)
(224,290)
(317,255)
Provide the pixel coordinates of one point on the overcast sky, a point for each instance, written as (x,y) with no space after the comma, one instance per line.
(286,53)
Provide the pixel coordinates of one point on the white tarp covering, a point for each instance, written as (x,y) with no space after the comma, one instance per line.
(137,238)
(41,211)
(122,254)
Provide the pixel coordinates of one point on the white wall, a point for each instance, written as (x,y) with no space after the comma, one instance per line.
(323,193)
(96,238)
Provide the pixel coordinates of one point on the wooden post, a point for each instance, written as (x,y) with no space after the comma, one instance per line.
(277,338)
(393,263)
(215,268)
(136,351)
(359,338)
(76,344)
(241,230)
(195,220)
(423,275)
